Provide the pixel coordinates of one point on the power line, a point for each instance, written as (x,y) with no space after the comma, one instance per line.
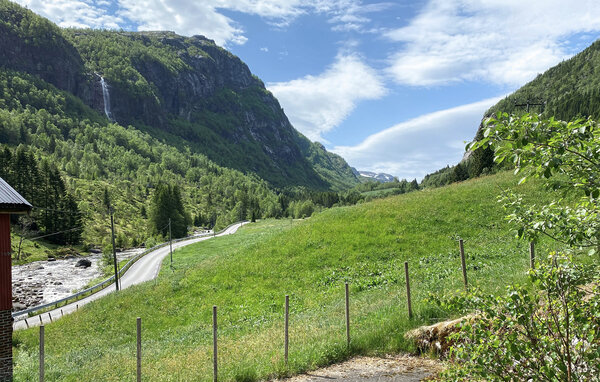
(529,103)
(56,233)
(54,210)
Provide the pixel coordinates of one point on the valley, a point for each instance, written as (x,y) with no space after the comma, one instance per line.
(247,275)
(123,138)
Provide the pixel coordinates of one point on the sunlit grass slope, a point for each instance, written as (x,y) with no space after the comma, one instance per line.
(248,274)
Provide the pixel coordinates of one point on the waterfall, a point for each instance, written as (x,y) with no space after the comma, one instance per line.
(106,97)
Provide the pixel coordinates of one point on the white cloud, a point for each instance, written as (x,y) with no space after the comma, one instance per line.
(73,13)
(190,17)
(499,41)
(184,17)
(317,104)
(419,146)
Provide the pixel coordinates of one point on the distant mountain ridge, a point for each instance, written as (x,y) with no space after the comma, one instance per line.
(370,175)
(183,90)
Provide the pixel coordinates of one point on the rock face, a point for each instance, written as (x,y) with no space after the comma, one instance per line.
(49,55)
(200,94)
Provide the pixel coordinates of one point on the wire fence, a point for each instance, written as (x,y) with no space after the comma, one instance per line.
(217,357)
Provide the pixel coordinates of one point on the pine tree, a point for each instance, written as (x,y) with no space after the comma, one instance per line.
(6,165)
(167,204)
(106,200)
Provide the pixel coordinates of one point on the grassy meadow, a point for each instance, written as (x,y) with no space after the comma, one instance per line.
(248,274)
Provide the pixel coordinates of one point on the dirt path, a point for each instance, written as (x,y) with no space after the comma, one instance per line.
(398,368)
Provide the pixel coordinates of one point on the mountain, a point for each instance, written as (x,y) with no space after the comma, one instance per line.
(566,91)
(369,175)
(120,113)
(183,90)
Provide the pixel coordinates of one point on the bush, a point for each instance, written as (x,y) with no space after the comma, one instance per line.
(547,333)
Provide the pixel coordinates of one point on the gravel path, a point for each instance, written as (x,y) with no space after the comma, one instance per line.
(398,368)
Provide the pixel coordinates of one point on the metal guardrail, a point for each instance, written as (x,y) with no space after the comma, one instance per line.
(123,269)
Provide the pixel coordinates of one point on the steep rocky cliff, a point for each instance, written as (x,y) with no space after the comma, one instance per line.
(185,90)
(32,44)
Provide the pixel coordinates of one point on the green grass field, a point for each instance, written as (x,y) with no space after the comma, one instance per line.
(248,274)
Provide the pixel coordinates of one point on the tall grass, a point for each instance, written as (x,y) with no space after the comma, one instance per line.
(248,274)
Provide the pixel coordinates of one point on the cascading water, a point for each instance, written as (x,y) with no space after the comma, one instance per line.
(106,97)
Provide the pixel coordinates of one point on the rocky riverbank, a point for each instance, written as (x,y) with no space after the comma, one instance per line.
(41,282)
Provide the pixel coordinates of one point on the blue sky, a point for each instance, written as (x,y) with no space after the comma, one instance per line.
(392,86)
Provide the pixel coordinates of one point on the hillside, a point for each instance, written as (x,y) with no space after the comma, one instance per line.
(569,90)
(247,275)
(185,91)
(566,91)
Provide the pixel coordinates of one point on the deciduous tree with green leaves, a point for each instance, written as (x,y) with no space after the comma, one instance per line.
(567,156)
(550,332)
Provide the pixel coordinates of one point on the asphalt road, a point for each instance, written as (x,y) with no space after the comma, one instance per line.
(144,269)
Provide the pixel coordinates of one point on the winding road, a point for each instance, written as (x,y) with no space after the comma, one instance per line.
(144,269)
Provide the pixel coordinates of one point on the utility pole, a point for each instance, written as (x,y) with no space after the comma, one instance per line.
(530,103)
(170,241)
(112,228)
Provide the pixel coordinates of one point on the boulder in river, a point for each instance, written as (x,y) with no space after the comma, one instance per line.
(84,263)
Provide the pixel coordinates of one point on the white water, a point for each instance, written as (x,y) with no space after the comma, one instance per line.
(41,282)
(106,97)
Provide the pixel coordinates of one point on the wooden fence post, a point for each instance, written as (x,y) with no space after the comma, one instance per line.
(215,369)
(287,321)
(532,255)
(139,349)
(347,316)
(41,353)
(408,300)
(463,263)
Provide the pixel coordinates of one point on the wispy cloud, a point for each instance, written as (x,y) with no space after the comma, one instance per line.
(505,42)
(317,104)
(190,17)
(184,17)
(74,13)
(419,146)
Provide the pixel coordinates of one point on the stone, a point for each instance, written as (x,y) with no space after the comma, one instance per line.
(18,306)
(83,263)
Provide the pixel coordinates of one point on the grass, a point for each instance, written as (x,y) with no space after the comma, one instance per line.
(247,275)
(31,251)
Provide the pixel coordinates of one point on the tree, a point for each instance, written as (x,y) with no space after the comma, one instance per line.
(167,204)
(481,158)
(106,200)
(545,149)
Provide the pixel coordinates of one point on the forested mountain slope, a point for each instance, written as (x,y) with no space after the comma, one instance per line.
(186,91)
(566,91)
(182,111)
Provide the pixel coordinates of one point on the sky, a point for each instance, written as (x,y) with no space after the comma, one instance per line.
(392,86)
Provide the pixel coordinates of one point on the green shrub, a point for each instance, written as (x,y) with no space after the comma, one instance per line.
(550,332)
